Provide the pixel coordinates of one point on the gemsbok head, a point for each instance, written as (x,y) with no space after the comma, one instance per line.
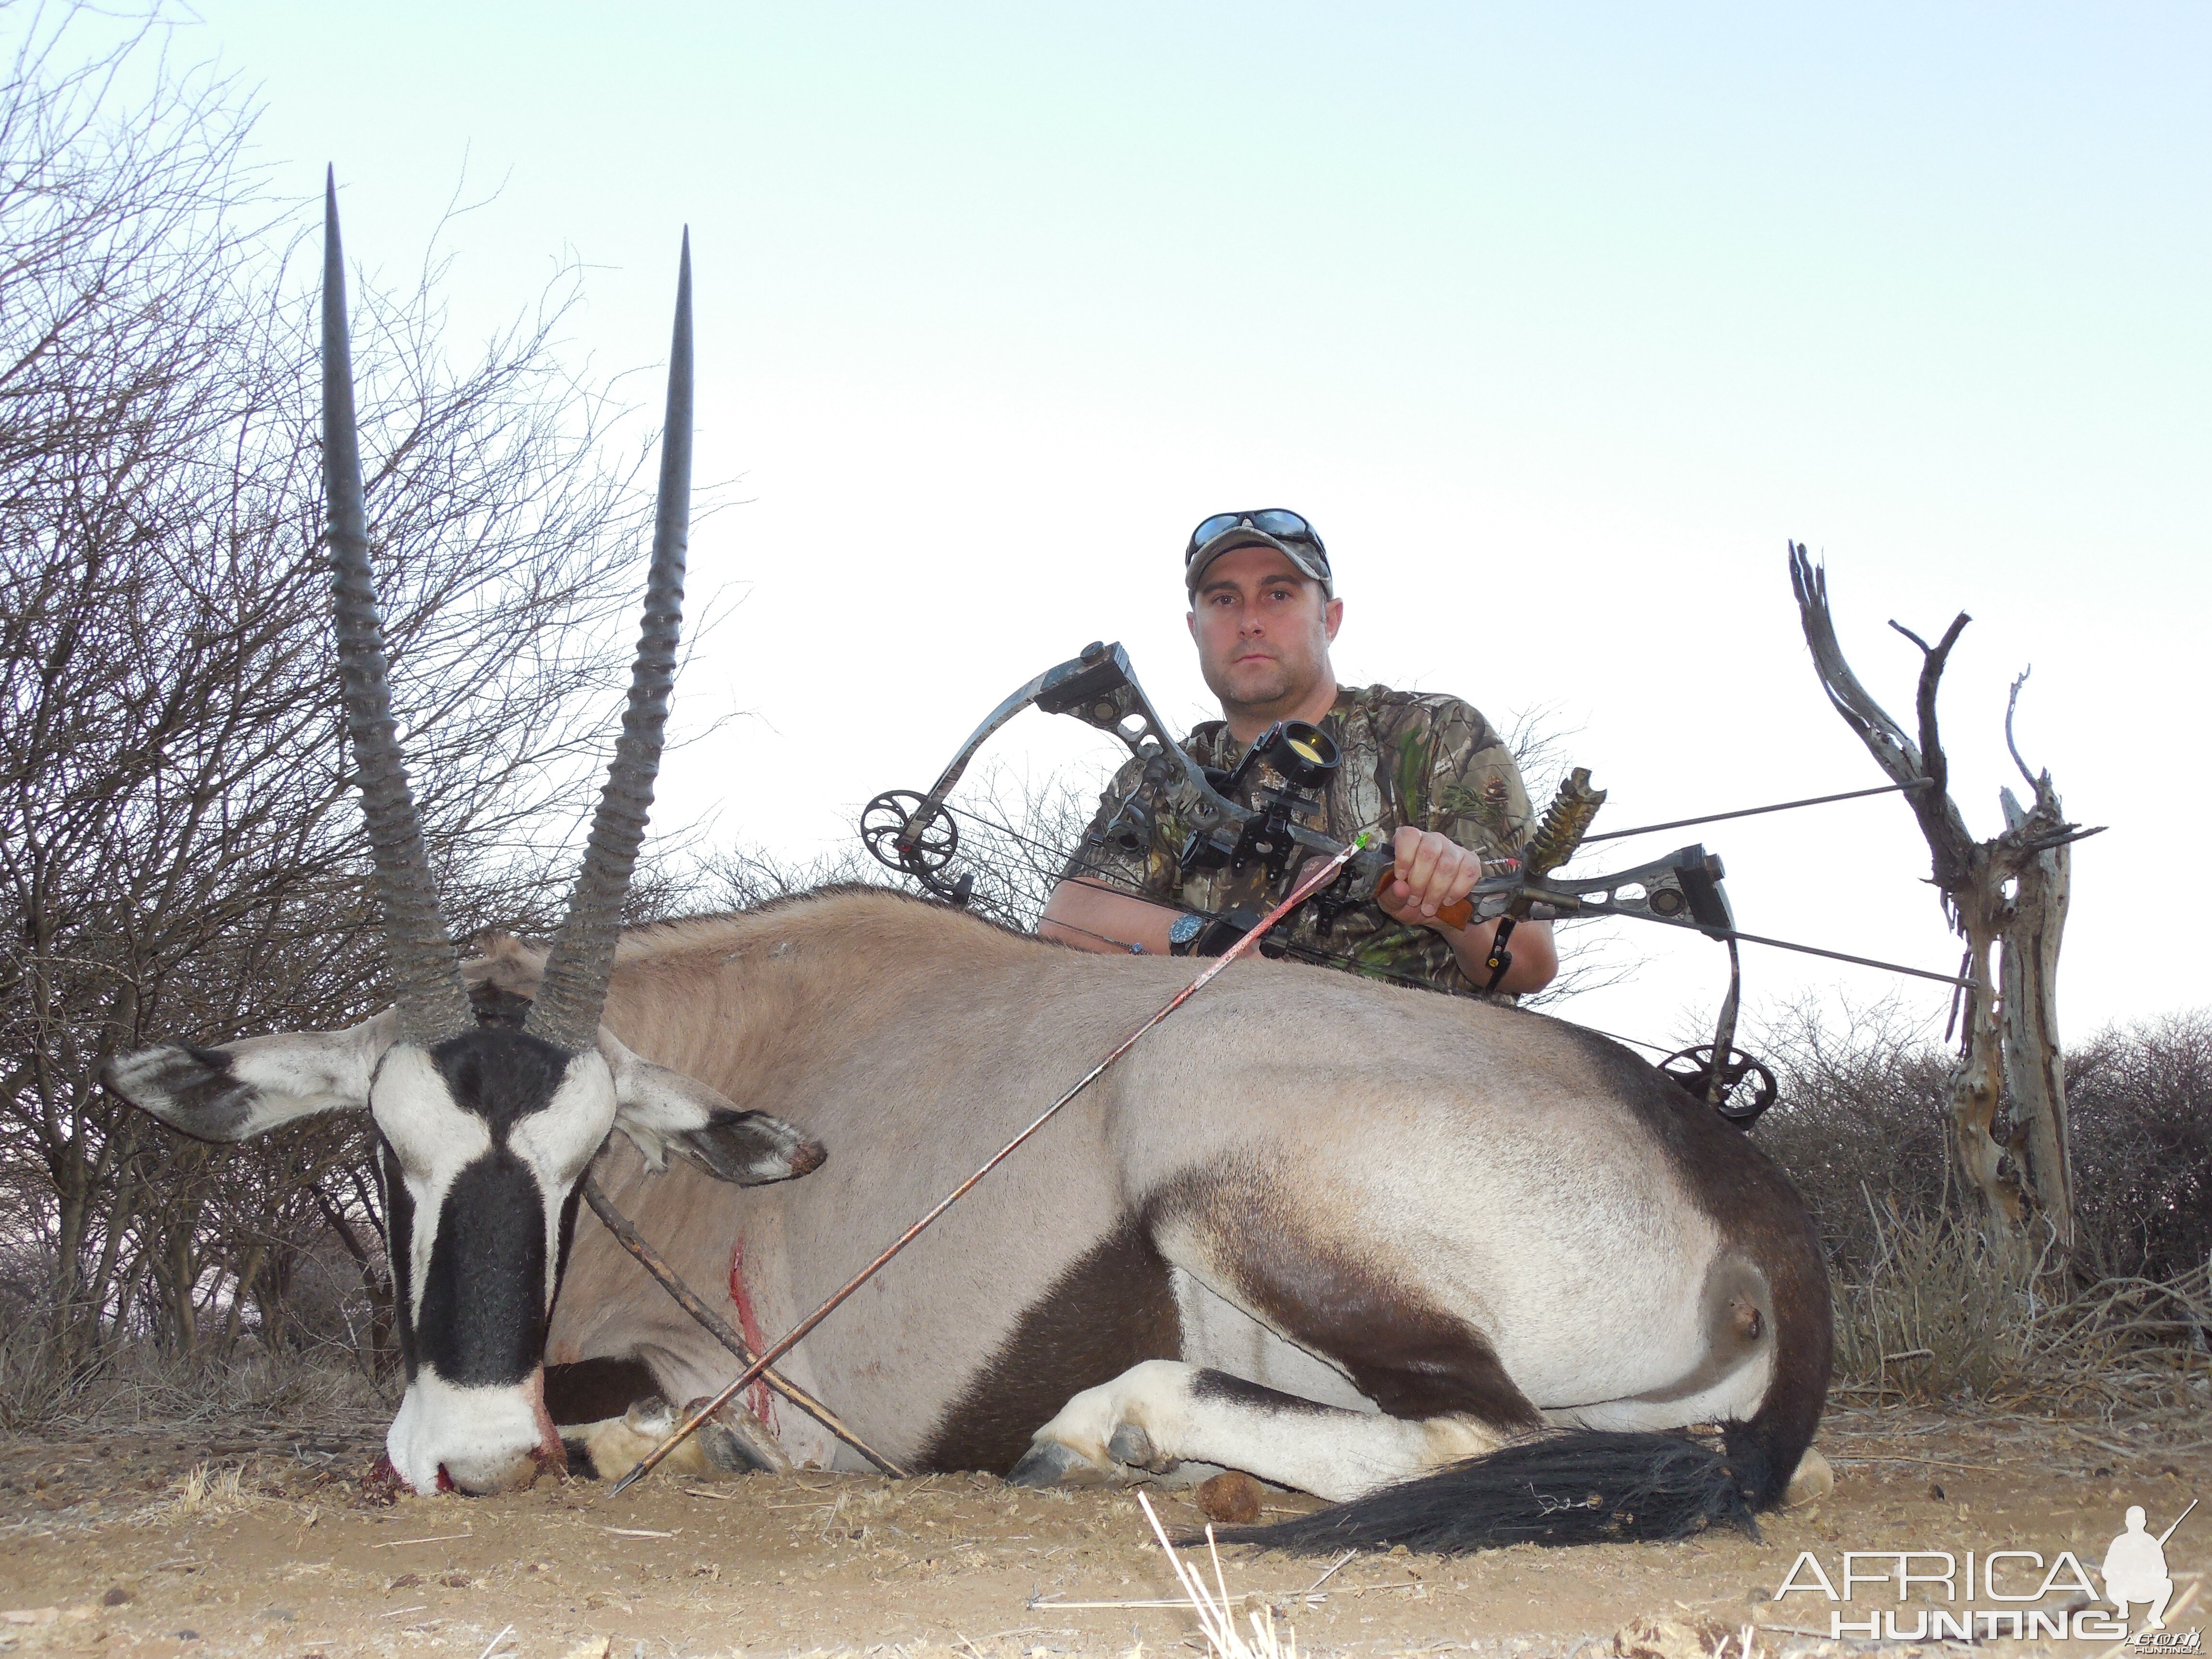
(483,1132)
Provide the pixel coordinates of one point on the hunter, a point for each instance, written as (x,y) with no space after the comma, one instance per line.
(1424,771)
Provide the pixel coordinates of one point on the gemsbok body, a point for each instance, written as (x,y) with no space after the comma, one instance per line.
(1476,1273)
(1333,1233)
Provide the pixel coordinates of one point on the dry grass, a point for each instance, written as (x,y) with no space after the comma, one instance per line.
(1939,1317)
(205,1492)
(1217,1609)
(136,1384)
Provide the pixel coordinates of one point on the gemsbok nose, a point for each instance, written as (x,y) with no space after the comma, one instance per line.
(478,1442)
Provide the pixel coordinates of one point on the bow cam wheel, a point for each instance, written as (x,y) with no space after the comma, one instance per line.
(923,849)
(1747,1088)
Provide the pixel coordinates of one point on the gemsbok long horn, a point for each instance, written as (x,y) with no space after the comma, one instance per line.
(433,1005)
(566,1011)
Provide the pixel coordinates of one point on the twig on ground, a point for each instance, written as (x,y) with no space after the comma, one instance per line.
(442,1538)
(1330,1574)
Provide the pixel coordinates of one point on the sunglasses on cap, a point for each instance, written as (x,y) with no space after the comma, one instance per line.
(1276,521)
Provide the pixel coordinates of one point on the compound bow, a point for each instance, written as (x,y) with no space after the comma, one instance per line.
(918,834)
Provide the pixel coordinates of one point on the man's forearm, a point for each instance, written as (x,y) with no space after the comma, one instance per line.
(1535,956)
(1093,917)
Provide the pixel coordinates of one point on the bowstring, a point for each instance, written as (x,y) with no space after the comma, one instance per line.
(1079,862)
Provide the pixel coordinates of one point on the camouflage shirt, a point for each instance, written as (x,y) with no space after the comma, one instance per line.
(1429,761)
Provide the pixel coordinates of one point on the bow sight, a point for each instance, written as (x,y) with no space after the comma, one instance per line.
(918,836)
(1305,758)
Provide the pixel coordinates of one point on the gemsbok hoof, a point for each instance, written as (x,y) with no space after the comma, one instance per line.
(1050,1463)
(1131,1446)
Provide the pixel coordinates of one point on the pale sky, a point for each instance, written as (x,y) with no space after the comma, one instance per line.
(1557,322)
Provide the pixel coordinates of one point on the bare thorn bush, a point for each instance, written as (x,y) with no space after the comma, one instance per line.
(1926,1309)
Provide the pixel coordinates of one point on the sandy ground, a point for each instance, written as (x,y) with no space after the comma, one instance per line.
(110,1542)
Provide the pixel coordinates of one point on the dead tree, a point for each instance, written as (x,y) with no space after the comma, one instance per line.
(2006,897)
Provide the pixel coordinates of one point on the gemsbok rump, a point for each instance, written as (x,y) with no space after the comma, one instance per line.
(1479,1274)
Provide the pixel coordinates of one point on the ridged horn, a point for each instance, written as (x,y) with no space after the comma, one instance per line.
(567,1009)
(425,968)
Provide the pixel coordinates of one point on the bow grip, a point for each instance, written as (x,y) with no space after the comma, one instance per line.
(1460,911)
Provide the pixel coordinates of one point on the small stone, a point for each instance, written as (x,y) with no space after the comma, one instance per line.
(1232,1496)
(115,1597)
(188,1635)
(406,1581)
(1936,1491)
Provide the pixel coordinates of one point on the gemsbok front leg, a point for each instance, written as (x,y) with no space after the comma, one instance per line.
(1163,1412)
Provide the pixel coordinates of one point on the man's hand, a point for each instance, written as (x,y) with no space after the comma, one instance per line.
(1428,871)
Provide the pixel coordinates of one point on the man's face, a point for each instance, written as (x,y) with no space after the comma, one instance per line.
(1262,628)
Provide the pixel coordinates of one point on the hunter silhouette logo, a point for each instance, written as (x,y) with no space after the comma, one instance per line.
(2134,1568)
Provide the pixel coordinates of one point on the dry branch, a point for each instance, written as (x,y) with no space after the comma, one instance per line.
(2006,896)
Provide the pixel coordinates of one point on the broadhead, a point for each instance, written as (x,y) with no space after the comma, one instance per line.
(627,1481)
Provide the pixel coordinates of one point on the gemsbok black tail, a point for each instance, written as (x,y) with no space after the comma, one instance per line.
(1578,1487)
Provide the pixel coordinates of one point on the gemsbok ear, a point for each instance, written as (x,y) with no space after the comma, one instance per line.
(663,1111)
(244,1088)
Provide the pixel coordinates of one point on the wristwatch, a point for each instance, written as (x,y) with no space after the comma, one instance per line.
(1182,933)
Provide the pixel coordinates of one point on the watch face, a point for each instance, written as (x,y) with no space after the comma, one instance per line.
(1184,928)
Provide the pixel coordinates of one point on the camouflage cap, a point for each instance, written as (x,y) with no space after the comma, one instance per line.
(1295,540)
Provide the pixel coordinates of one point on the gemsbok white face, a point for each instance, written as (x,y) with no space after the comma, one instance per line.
(484,1128)
(482,1140)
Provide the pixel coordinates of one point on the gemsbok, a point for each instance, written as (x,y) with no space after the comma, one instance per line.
(1478,1274)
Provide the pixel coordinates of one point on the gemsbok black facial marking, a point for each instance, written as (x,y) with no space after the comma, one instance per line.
(480,1321)
(399,1236)
(501,1076)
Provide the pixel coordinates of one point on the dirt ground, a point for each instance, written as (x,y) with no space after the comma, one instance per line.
(262,1544)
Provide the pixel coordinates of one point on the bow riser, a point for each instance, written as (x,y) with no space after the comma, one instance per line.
(1682,889)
